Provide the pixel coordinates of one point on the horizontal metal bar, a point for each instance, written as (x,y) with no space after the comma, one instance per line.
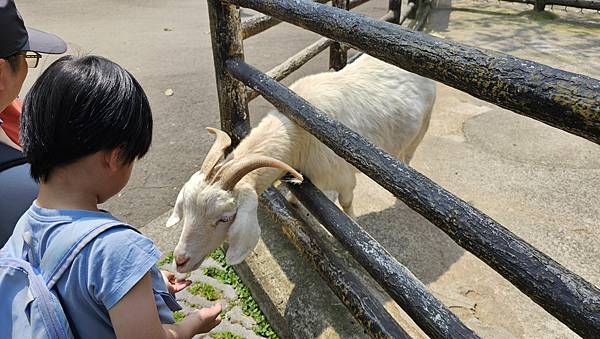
(257,24)
(347,286)
(389,17)
(356,3)
(586,4)
(559,291)
(260,23)
(410,294)
(293,63)
(297,60)
(562,99)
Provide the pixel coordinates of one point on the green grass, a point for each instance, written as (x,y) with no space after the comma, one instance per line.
(178,315)
(166,260)
(225,335)
(249,306)
(540,16)
(245,300)
(205,290)
(219,274)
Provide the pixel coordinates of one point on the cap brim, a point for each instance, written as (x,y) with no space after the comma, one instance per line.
(43,42)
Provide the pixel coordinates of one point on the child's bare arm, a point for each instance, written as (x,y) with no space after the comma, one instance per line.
(135,316)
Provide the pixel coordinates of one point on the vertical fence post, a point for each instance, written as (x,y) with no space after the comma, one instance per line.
(539,5)
(226,36)
(413,15)
(395,7)
(338,55)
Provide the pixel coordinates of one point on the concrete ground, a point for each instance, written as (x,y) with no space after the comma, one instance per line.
(539,182)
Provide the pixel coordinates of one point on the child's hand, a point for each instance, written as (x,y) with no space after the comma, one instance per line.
(173,284)
(204,319)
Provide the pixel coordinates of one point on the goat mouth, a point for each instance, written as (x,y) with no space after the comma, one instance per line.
(188,267)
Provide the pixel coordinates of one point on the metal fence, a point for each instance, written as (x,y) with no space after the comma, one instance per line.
(562,99)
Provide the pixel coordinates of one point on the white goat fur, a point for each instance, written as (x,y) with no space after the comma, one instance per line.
(383,103)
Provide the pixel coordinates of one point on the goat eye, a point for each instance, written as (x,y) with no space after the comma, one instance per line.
(227,218)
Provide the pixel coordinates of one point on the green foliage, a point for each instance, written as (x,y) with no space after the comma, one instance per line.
(189,304)
(167,259)
(225,335)
(249,306)
(226,276)
(178,315)
(541,16)
(218,274)
(206,290)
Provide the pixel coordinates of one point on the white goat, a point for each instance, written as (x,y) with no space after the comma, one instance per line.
(385,104)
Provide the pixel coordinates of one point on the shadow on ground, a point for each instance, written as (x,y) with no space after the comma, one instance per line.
(415,242)
(412,240)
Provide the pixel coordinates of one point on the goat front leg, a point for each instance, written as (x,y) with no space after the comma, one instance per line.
(346,195)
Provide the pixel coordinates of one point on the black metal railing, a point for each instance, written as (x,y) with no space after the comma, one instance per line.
(562,99)
(410,294)
(363,305)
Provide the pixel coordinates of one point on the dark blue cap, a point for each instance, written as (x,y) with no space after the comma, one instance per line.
(15,37)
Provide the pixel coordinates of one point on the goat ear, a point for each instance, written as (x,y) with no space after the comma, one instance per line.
(244,232)
(177,210)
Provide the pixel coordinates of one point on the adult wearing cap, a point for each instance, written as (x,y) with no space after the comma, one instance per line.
(20,49)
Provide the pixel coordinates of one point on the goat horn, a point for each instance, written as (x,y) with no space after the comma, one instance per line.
(216,151)
(231,174)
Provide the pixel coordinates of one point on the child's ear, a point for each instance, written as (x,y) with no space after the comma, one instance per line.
(113,160)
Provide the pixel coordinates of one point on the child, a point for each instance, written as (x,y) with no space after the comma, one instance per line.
(84,123)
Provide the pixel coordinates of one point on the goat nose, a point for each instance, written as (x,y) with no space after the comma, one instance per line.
(180,260)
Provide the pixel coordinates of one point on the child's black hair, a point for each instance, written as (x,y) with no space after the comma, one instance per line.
(82,105)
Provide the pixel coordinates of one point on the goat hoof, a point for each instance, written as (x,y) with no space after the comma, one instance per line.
(351,214)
